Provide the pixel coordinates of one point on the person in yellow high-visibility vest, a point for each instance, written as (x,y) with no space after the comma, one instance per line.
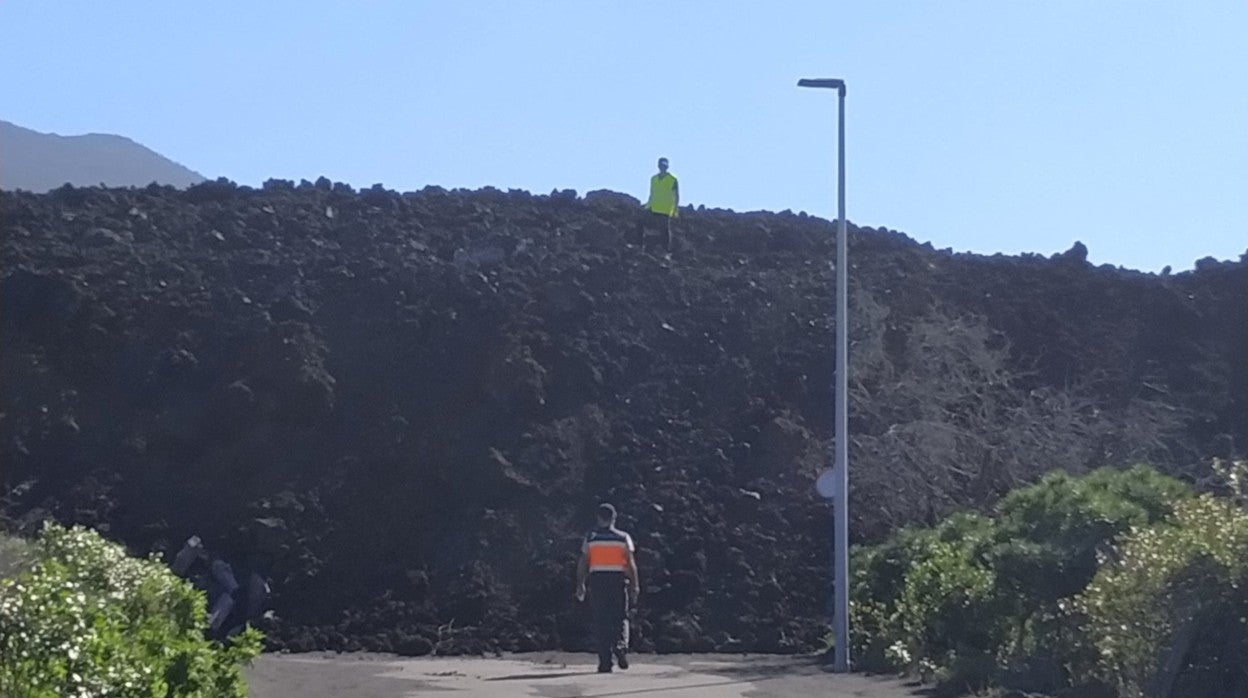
(662,206)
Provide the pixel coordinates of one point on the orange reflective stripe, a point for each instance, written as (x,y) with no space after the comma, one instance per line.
(608,555)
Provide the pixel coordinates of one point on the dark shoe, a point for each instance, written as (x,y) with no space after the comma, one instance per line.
(621,658)
(604,668)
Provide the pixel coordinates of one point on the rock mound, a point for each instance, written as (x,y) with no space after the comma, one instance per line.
(405,406)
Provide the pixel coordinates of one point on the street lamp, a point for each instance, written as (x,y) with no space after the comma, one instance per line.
(840,474)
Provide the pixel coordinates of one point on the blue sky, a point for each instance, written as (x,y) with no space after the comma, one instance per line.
(986,126)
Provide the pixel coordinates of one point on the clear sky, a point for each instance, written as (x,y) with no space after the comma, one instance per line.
(987,126)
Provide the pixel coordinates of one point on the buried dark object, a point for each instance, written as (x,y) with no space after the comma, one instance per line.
(231,605)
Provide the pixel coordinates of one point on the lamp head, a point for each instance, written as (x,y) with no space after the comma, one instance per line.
(831,83)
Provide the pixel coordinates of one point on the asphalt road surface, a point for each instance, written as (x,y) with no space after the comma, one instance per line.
(558,675)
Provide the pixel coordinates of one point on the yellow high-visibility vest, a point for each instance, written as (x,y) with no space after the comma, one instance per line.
(663,194)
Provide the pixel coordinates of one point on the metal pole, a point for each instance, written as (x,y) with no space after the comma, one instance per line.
(840,498)
(841,505)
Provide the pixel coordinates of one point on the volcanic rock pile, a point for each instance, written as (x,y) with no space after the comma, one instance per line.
(403,407)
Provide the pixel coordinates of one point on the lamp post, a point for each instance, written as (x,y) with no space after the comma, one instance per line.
(840,492)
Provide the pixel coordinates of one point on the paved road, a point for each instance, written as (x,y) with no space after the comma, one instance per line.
(550,675)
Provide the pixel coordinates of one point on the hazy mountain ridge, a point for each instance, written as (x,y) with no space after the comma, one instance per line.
(39,162)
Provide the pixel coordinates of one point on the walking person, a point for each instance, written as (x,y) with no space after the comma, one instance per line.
(608,571)
(662,206)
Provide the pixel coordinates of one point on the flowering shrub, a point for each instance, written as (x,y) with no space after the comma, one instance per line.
(977,601)
(1173,588)
(88,620)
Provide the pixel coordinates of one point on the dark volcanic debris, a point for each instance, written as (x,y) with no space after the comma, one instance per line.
(403,406)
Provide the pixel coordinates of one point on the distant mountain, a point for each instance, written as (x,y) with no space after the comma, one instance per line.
(38,162)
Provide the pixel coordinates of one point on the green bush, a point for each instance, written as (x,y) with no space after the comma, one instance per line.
(977,601)
(921,601)
(1172,589)
(1047,543)
(1048,534)
(85,619)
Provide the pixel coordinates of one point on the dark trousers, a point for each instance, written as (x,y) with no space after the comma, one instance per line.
(608,599)
(661,222)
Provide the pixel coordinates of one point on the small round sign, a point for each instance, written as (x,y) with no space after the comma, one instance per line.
(825,485)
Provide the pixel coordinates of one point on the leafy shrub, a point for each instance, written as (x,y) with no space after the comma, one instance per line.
(976,601)
(1173,588)
(87,620)
(1048,539)
(921,600)
(1049,533)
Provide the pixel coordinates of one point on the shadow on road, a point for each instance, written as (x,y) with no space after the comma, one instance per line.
(550,675)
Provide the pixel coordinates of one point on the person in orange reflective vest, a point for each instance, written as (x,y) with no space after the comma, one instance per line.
(608,571)
(662,206)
